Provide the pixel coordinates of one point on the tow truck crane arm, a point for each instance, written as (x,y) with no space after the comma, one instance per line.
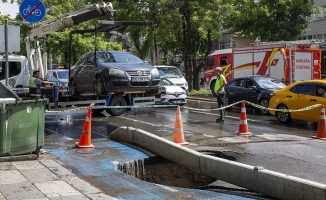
(57,24)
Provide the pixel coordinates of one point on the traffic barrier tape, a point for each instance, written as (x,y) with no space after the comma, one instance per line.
(257,106)
(92,105)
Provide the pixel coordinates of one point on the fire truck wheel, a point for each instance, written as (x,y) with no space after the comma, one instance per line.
(117,101)
(73,89)
(283,117)
(212,89)
(264,102)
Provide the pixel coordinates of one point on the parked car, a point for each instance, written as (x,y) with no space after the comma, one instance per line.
(172,94)
(255,89)
(295,96)
(113,72)
(61,75)
(174,75)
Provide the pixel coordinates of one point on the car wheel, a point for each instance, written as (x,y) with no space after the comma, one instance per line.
(264,103)
(227,102)
(283,117)
(117,101)
(212,88)
(72,88)
(99,86)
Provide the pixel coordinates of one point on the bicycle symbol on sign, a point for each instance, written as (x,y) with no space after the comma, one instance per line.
(36,12)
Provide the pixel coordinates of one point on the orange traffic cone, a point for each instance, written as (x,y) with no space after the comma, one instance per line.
(321,131)
(85,138)
(178,136)
(243,127)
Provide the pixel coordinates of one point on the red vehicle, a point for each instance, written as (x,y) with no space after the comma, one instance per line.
(287,61)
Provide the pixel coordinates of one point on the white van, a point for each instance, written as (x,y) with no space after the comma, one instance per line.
(174,75)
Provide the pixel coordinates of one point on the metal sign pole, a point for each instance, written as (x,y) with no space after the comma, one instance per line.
(6,50)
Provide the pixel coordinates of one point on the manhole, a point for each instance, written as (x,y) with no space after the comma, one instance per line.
(161,171)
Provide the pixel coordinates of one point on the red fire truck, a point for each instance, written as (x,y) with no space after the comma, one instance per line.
(287,61)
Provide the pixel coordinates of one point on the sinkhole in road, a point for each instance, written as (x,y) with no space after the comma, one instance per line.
(159,170)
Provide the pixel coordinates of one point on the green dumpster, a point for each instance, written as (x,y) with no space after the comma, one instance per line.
(21,126)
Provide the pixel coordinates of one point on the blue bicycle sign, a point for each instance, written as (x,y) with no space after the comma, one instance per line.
(32,10)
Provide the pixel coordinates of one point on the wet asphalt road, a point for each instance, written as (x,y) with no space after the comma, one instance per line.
(283,148)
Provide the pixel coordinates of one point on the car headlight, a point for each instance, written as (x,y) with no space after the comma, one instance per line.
(155,72)
(115,72)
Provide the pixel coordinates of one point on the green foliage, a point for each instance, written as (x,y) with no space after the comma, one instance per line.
(200,93)
(271,20)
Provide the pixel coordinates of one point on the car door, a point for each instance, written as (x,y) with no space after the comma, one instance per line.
(300,97)
(249,93)
(316,99)
(234,90)
(77,73)
(88,72)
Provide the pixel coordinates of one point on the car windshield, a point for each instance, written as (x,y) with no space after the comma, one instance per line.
(117,57)
(270,84)
(63,74)
(169,72)
(166,82)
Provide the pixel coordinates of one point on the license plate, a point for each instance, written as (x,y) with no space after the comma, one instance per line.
(177,101)
(139,79)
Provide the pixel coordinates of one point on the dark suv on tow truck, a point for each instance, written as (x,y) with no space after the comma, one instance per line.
(113,72)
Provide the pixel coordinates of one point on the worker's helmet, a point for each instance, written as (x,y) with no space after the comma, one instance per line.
(218,69)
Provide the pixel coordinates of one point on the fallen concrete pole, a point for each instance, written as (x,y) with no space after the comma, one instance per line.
(257,179)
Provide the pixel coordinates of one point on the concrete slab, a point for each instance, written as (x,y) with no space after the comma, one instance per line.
(56,189)
(5,166)
(20,191)
(2,197)
(27,165)
(11,177)
(39,175)
(75,197)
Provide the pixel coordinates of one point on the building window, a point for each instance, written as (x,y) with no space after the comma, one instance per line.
(228,45)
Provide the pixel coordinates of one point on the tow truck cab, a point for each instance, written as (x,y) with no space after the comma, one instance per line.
(18,71)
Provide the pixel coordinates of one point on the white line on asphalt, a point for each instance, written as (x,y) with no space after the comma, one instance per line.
(252,120)
(144,122)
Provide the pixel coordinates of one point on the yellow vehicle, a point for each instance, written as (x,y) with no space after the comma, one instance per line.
(298,95)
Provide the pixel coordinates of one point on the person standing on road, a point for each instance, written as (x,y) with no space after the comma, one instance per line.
(35,84)
(219,89)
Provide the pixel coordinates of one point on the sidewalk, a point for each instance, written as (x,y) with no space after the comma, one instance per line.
(43,179)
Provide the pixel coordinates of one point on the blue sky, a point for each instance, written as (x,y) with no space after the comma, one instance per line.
(9,9)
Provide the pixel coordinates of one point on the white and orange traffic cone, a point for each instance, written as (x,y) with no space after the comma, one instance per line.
(178,136)
(243,127)
(85,138)
(321,131)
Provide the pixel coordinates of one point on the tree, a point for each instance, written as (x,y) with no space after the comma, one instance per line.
(270,20)
(57,43)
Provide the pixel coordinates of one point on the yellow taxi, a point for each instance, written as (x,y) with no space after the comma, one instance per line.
(299,95)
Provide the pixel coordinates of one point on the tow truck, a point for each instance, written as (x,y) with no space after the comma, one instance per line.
(21,68)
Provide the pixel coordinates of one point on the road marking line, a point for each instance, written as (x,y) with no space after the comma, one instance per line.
(252,120)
